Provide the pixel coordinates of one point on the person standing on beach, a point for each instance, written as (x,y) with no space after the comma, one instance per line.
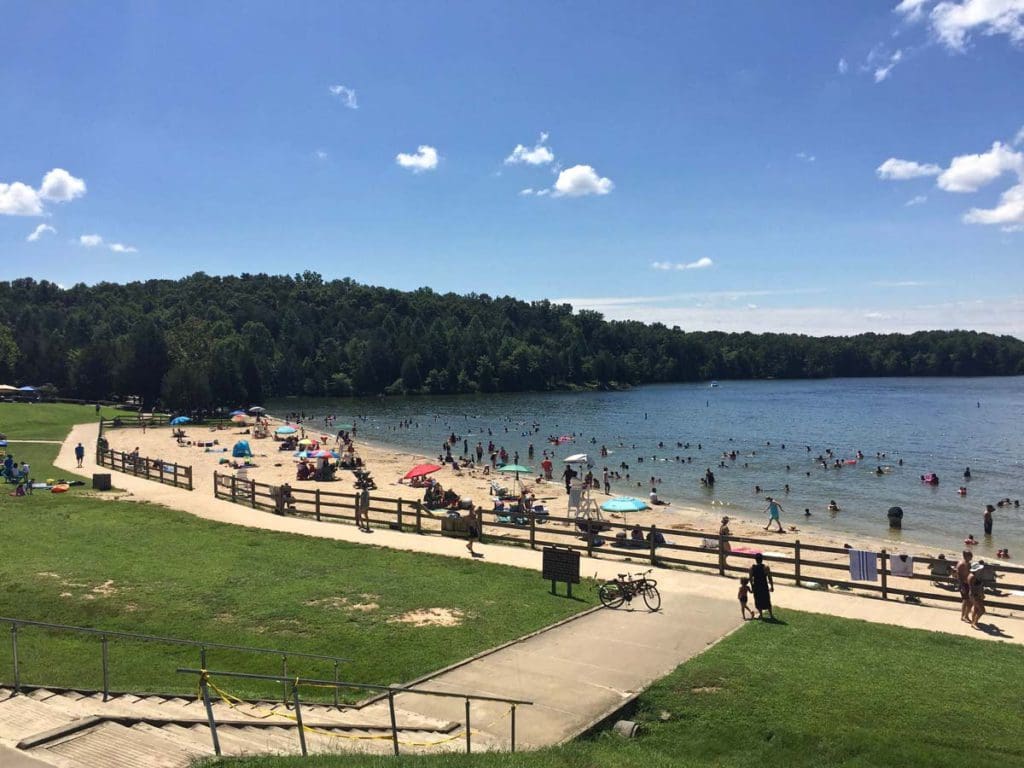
(79,454)
(963,583)
(986,517)
(977,589)
(762,586)
(363,510)
(473,527)
(773,509)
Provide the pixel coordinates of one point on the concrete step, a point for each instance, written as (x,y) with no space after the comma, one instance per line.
(21,716)
(110,745)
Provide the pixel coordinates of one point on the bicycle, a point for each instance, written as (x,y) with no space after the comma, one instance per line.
(624,588)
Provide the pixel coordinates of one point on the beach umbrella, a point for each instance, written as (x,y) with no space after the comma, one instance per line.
(257,409)
(286,430)
(239,418)
(179,420)
(7,388)
(517,468)
(321,454)
(305,441)
(624,504)
(420,470)
(344,427)
(237,413)
(26,389)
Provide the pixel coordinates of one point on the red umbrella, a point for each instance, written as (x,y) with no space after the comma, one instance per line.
(420,470)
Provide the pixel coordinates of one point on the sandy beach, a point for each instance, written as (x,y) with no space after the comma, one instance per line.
(388,464)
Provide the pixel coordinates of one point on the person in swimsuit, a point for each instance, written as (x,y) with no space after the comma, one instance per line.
(977,591)
(743,594)
(473,526)
(963,575)
(773,509)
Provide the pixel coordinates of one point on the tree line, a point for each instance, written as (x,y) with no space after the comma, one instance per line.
(205,341)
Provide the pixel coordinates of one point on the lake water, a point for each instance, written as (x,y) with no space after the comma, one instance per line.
(933,425)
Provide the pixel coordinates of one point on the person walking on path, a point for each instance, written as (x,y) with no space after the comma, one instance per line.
(986,518)
(762,586)
(363,510)
(473,527)
(773,509)
(79,454)
(977,589)
(963,583)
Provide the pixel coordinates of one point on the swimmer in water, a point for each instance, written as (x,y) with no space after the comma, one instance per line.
(832,506)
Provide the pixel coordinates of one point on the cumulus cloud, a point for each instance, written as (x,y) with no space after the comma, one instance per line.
(968,173)
(20,199)
(539,154)
(953,23)
(345,95)
(424,159)
(1009,213)
(94,241)
(320,154)
(895,169)
(90,241)
(60,186)
(702,263)
(806,157)
(1018,140)
(581,180)
(912,10)
(39,232)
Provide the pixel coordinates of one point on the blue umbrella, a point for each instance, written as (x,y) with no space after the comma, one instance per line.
(26,389)
(624,504)
(286,430)
(177,420)
(237,413)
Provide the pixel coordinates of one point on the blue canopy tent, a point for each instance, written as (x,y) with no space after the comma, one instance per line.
(242,450)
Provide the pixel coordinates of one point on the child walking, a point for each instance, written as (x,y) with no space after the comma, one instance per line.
(743,595)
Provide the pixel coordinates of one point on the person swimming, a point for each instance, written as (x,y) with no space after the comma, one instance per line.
(832,506)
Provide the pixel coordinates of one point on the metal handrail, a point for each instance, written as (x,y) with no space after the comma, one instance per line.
(106,635)
(391,691)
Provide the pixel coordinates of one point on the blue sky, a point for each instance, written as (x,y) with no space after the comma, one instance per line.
(711,165)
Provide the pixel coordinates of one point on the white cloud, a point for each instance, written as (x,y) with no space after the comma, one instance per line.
(346,95)
(17,199)
(902,284)
(953,23)
(424,159)
(122,248)
(882,72)
(1009,212)
(916,200)
(60,186)
(94,241)
(526,192)
(912,10)
(806,157)
(539,154)
(39,231)
(895,169)
(320,154)
(843,67)
(581,180)
(90,241)
(968,173)
(702,263)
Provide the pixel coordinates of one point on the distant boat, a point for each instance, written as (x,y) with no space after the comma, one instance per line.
(714,384)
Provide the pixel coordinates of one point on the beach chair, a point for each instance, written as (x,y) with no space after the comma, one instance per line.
(941,570)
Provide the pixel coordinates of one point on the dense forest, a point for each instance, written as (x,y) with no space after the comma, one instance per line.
(203,341)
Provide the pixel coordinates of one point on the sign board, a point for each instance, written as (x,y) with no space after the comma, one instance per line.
(561,565)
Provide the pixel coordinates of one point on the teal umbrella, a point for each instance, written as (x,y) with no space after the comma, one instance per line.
(624,504)
(516,469)
(178,420)
(286,430)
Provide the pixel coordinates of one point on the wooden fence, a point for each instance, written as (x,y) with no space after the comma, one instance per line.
(808,565)
(166,472)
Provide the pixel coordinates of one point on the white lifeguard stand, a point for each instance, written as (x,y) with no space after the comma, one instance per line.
(581,505)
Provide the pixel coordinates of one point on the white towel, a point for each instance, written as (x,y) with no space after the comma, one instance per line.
(863,565)
(902,565)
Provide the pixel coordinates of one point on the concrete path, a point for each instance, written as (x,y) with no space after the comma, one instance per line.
(1010,627)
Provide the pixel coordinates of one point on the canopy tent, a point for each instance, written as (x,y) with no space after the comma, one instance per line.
(624,504)
(242,450)
(578,458)
(420,470)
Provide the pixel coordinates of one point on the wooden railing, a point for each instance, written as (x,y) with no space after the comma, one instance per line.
(167,472)
(809,565)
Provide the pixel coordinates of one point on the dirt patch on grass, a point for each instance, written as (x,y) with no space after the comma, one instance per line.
(106,589)
(431,617)
(706,689)
(366,603)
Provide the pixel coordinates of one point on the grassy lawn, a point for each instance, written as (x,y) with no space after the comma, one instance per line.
(815,691)
(48,421)
(141,568)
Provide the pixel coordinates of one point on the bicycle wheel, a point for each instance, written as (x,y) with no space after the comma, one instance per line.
(611,594)
(652,597)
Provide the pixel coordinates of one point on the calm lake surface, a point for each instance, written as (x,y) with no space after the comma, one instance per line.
(933,425)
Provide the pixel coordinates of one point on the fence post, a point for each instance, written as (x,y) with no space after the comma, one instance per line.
(216,484)
(796,561)
(14,657)
(394,724)
(234,489)
(590,542)
(252,493)
(721,555)
(399,514)
(188,475)
(513,743)
(654,560)
(419,517)
(533,531)
(209,712)
(106,668)
(337,704)
(284,680)
(298,720)
(318,505)
(162,473)
(885,582)
(469,741)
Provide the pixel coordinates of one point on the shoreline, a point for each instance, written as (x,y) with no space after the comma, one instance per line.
(388,462)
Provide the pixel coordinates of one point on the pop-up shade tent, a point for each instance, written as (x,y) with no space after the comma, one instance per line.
(242,450)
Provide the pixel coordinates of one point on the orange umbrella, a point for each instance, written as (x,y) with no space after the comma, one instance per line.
(238,418)
(420,470)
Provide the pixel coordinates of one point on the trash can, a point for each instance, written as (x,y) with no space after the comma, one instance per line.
(895,517)
(101,482)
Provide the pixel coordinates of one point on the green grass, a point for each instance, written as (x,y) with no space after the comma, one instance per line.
(48,421)
(815,691)
(176,575)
